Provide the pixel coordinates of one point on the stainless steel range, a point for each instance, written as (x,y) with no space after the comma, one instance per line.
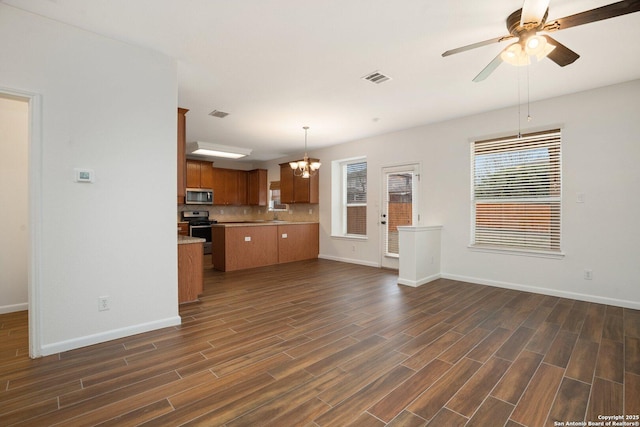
(200,226)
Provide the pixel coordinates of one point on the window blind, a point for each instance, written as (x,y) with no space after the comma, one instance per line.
(356,198)
(517,192)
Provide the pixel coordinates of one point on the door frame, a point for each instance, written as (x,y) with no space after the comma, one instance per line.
(34,173)
(416,168)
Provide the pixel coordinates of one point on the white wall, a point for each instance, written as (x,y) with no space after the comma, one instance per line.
(110,107)
(14,216)
(601,156)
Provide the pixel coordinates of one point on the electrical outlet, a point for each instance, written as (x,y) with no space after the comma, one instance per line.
(103,303)
(588,275)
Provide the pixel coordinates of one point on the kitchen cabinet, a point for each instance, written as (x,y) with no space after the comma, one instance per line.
(295,189)
(199,174)
(182,130)
(229,187)
(257,187)
(190,272)
(183,228)
(242,246)
(297,242)
(237,248)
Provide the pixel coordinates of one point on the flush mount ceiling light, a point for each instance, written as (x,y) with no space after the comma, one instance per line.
(306,167)
(216,150)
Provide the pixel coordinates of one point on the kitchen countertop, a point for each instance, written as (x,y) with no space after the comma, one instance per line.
(184,240)
(260,223)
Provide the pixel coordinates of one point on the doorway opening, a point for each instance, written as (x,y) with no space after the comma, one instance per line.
(20,185)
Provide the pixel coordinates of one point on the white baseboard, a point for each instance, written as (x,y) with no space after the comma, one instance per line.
(349,260)
(419,282)
(72,344)
(13,308)
(545,291)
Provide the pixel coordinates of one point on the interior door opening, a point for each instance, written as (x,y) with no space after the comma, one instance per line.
(30,184)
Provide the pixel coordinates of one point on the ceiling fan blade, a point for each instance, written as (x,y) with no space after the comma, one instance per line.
(478,44)
(489,68)
(561,55)
(598,14)
(533,12)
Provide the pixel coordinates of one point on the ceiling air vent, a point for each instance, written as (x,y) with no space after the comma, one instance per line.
(218,114)
(376,77)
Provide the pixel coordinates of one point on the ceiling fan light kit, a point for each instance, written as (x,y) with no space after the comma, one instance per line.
(535,45)
(524,24)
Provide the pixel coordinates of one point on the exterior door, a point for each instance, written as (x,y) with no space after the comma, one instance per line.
(399,208)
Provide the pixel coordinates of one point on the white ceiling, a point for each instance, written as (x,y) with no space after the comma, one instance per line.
(278,65)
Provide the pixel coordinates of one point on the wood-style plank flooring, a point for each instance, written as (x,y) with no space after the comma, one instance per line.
(322,343)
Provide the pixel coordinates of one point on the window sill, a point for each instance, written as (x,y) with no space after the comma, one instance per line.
(349,237)
(519,252)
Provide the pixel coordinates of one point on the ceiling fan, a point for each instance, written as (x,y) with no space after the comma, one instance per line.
(525,24)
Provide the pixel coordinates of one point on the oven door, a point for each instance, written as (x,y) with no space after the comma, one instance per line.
(203,232)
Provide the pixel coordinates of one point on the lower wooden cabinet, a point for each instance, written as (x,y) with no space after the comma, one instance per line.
(242,247)
(297,242)
(190,272)
(183,228)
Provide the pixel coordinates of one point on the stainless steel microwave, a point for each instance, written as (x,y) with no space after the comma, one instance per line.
(199,196)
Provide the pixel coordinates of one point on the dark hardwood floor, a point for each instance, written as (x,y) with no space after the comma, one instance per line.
(321,343)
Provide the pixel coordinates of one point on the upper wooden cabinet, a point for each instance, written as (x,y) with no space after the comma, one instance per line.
(229,187)
(199,174)
(182,130)
(257,187)
(295,189)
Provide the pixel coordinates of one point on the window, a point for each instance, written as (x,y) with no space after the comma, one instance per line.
(274,197)
(356,198)
(349,197)
(516,192)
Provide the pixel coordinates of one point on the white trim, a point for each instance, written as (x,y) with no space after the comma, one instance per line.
(35,215)
(417,228)
(419,282)
(519,252)
(545,291)
(349,260)
(349,237)
(108,336)
(13,308)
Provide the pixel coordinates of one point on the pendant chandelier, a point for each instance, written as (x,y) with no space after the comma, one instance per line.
(306,168)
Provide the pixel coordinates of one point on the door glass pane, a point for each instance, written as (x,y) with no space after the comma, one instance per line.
(399,208)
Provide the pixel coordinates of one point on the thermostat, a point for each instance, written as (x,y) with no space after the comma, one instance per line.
(83,175)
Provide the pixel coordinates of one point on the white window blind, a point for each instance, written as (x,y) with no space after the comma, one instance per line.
(356,198)
(517,192)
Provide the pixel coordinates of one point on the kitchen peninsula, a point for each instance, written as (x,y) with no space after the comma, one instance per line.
(249,244)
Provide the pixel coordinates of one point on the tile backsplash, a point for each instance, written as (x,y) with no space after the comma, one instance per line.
(221,213)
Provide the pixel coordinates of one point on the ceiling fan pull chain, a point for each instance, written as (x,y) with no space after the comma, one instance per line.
(529,118)
(519,112)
